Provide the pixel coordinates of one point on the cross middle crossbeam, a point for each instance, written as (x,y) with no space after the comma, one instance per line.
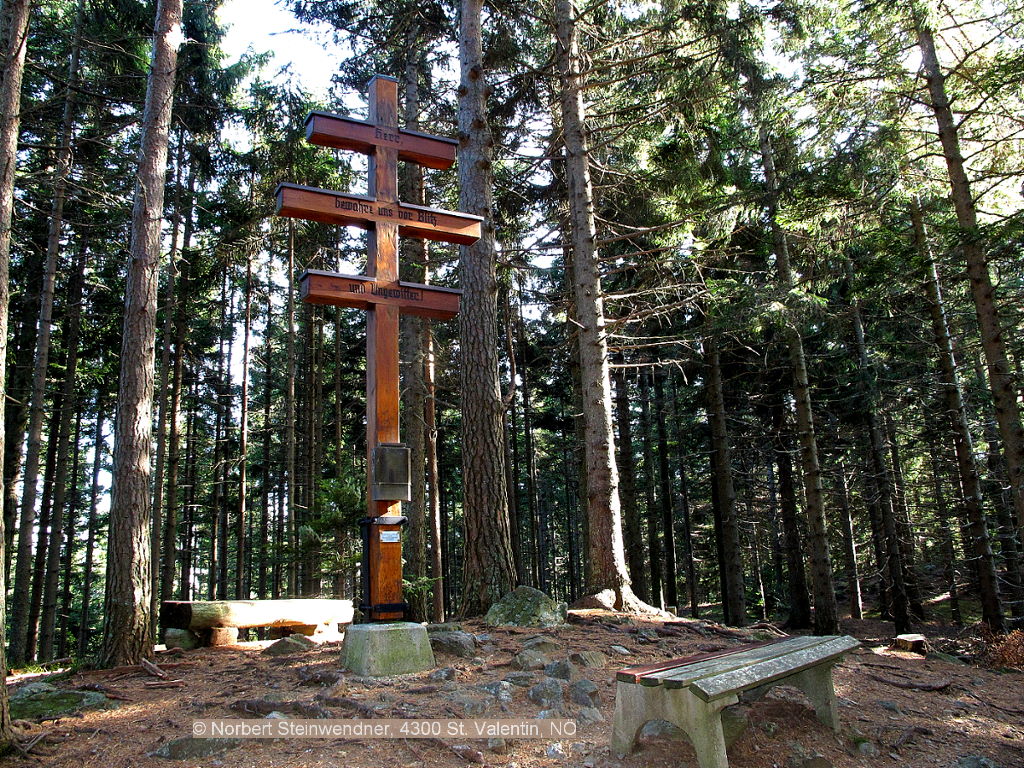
(330,207)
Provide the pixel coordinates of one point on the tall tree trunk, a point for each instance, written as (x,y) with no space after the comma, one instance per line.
(241,571)
(433,479)
(650,498)
(414,251)
(70,539)
(489,567)
(1000,377)
(882,478)
(904,528)
(127,599)
(684,502)
(14,28)
(963,442)
(187,551)
(849,544)
(826,611)
(734,602)
(160,554)
(605,555)
(668,529)
(289,440)
(799,597)
(69,407)
(626,459)
(944,533)
(90,542)
(43,542)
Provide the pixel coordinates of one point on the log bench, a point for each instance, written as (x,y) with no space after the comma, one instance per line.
(216,622)
(692,693)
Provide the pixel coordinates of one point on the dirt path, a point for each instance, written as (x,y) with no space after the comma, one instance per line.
(886,722)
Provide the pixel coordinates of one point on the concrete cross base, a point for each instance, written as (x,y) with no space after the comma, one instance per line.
(380,650)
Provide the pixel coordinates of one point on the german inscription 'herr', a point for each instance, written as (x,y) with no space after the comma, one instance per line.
(384,297)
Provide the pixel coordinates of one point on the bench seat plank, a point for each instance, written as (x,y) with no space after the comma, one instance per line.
(635,673)
(689,673)
(769,670)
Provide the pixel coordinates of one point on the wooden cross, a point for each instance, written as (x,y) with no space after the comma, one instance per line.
(384,297)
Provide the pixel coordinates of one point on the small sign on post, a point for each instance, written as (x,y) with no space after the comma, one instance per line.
(384,297)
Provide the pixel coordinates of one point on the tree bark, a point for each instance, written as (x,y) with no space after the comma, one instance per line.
(126,626)
(15,25)
(605,556)
(1000,377)
(489,568)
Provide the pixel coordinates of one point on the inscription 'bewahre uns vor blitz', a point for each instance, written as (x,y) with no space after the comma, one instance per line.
(421,217)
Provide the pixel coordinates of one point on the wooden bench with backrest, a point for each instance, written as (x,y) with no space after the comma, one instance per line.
(216,622)
(691,693)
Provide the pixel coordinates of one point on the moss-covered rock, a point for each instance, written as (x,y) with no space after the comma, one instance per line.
(42,701)
(189,748)
(526,607)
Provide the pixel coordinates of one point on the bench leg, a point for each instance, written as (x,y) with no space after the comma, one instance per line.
(631,701)
(702,722)
(816,683)
(708,740)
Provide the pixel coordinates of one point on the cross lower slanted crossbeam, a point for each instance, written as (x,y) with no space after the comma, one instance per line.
(364,292)
(385,298)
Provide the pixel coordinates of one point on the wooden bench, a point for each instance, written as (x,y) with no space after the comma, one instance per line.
(692,692)
(216,622)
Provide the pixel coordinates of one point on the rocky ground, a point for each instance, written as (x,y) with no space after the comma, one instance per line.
(897,708)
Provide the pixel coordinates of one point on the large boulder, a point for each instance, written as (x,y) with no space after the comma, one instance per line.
(454,643)
(526,607)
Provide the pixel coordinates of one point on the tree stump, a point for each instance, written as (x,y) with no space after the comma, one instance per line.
(912,643)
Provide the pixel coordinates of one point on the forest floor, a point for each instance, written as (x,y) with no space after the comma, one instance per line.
(976,715)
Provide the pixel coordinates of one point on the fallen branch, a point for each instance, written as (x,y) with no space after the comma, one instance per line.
(1007,710)
(768,627)
(164,684)
(941,685)
(342,701)
(134,668)
(28,745)
(153,669)
(106,690)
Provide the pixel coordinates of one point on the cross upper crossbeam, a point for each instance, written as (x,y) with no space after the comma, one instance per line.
(327,130)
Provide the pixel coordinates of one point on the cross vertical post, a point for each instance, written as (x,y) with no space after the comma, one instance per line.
(384,298)
(382,557)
